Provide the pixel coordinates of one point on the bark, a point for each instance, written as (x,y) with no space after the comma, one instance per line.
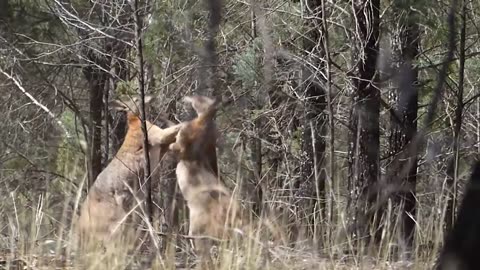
(364,155)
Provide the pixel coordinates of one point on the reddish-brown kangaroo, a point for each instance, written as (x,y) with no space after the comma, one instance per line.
(212,209)
(115,192)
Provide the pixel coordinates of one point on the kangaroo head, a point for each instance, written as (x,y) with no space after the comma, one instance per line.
(129,104)
(195,135)
(134,137)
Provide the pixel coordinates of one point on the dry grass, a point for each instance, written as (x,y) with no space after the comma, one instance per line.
(42,248)
(36,233)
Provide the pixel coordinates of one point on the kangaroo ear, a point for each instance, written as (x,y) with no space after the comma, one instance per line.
(134,103)
(148,99)
(199,103)
(208,114)
(129,104)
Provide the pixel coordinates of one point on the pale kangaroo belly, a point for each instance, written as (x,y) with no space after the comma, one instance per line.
(192,178)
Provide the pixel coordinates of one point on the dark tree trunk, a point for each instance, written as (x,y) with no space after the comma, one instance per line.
(404,122)
(97,79)
(364,155)
(208,83)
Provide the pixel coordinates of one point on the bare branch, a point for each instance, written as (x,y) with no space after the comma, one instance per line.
(36,102)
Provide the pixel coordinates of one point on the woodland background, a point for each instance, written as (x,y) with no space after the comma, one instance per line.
(353,121)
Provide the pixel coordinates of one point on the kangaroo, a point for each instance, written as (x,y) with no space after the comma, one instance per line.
(212,209)
(112,196)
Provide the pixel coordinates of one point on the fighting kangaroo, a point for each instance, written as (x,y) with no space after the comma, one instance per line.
(213,211)
(115,192)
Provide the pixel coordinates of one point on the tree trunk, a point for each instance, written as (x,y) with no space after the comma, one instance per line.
(138,9)
(452,169)
(97,79)
(364,157)
(255,142)
(403,132)
(208,81)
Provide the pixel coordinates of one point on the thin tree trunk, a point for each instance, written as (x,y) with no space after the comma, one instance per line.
(452,169)
(255,142)
(141,89)
(326,45)
(256,158)
(208,73)
(365,142)
(106,118)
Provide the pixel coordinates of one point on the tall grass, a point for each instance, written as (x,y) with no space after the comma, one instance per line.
(36,231)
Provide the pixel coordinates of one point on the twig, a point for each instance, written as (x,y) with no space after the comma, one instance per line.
(36,102)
